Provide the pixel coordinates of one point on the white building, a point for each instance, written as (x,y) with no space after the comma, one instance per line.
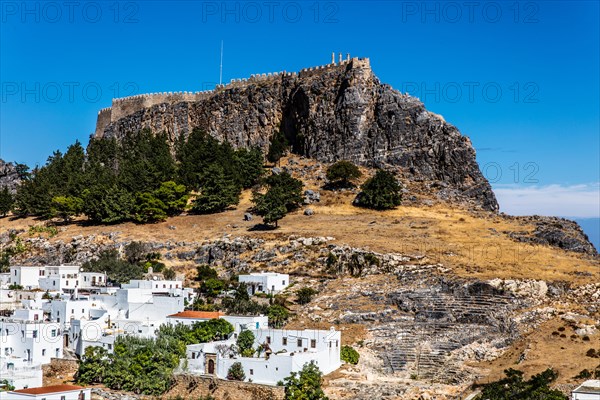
(20,373)
(26,276)
(92,280)
(32,340)
(265,282)
(63,278)
(239,322)
(588,390)
(57,392)
(289,351)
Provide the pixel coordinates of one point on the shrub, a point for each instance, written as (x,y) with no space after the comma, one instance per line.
(245,341)
(236,372)
(305,295)
(349,355)
(305,384)
(380,192)
(342,173)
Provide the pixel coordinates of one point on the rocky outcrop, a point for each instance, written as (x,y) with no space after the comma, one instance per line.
(9,176)
(328,113)
(557,232)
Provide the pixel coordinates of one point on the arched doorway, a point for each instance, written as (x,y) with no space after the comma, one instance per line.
(211,366)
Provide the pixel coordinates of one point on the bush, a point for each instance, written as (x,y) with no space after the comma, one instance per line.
(514,387)
(305,384)
(236,372)
(305,295)
(349,355)
(342,173)
(245,341)
(381,192)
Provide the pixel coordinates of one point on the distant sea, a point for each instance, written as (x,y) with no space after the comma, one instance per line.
(591,227)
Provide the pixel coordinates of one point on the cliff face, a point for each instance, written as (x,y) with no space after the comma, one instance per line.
(9,176)
(328,113)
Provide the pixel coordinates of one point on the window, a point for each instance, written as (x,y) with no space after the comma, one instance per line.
(34,334)
(63,397)
(336,343)
(284,341)
(177,286)
(83,310)
(72,311)
(53,333)
(268,339)
(164,286)
(43,352)
(110,346)
(251,372)
(283,282)
(53,283)
(15,272)
(313,343)
(299,342)
(36,317)
(67,283)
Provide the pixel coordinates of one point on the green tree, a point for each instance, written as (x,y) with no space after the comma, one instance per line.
(284,193)
(349,355)
(107,205)
(6,201)
(173,196)
(342,173)
(305,385)
(117,269)
(305,295)
(212,287)
(169,274)
(218,192)
(513,386)
(67,207)
(204,272)
(93,365)
(278,315)
(149,208)
(245,342)
(380,192)
(249,166)
(236,372)
(7,387)
(277,147)
(144,162)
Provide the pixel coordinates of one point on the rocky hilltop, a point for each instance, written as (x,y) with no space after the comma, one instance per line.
(336,111)
(9,176)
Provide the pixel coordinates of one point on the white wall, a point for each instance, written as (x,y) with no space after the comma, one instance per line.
(19,373)
(33,341)
(71,395)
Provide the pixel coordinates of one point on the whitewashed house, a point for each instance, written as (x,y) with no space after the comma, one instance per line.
(288,351)
(57,392)
(265,282)
(92,280)
(20,373)
(588,390)
(26,276)
(239,322)
(62,278)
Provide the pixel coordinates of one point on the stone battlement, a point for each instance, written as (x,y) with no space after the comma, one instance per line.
(121,107)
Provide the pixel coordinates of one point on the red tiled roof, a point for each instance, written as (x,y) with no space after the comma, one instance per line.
(49,389)
(197,314)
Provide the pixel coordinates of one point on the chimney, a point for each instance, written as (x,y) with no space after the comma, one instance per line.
(333,57)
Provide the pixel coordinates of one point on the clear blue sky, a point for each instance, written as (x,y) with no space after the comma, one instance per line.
(61,63)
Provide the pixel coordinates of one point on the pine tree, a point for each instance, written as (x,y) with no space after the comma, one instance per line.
(6,201)
(277,147)
(218,191)
(380,192)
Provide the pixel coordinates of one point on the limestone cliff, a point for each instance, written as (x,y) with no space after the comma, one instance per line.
(332,112)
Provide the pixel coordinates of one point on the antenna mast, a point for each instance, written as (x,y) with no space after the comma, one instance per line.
(221,67)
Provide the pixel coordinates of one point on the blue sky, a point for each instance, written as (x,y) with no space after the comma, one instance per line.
(519,78)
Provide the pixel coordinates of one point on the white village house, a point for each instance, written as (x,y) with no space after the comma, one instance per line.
(56,392)
(288,351)
(588,390)
(239,322)
(265,282)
